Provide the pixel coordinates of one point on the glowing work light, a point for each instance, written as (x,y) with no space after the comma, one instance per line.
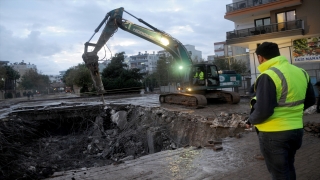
(164,41)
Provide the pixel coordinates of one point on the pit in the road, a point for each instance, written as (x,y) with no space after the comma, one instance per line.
(37,141)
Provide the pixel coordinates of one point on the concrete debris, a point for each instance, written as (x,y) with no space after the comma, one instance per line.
(214,142)
(307,129)
(128,158)
(311,110)
(215,145)
(32,168)
(313,128)
(217,148)
(120,118)
(98,126)
(228,121)
(238,135)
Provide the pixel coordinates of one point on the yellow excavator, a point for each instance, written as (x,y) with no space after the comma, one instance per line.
(188,93)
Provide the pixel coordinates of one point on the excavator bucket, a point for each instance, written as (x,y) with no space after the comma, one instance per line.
(91,61)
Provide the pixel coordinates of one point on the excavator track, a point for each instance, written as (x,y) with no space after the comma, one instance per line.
(192,100)
(230,97)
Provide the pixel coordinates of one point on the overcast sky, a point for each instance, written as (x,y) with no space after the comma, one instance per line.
(51,33)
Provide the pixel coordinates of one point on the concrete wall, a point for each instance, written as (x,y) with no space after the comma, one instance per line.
(167,89)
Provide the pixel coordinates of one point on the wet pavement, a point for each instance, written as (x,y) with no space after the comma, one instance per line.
(235,161)
(9,105)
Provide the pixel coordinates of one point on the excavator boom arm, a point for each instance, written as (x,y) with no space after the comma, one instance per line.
(113,21)
(160,38)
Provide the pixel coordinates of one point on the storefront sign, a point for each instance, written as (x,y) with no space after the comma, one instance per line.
(306,49)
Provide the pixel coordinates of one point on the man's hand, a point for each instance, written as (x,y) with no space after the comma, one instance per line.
(248,124)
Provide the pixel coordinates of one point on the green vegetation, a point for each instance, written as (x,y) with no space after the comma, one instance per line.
(231,64)
(8,77)
(3,76)
(33,80)
(118,76)
(167,72)
(79,76)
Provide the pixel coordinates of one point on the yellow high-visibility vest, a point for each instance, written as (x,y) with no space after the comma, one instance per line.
(200,75)
(291,85)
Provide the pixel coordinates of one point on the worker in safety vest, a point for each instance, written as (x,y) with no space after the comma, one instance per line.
(198,76)
(283,92)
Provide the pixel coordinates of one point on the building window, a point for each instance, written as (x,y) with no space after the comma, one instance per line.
(219,53)
(284,17)
(262,22)
(218,46)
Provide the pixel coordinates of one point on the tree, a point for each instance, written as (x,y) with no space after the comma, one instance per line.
(3,76)
(80,76)
(33,80)
(151,81)
(168,70)
(221,63)
(65,79)
(230,63)
(29,79)
(162,71)
(117,76)
(238,65)
(8,77)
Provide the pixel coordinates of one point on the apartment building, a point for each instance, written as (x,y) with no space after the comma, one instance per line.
(146,62)
(221,49)
(195,55)
(54,78)
(4,63)
(22,68)
(293,24)
(224,51)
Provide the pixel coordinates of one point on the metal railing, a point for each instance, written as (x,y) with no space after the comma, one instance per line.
(278,27)
(245,4)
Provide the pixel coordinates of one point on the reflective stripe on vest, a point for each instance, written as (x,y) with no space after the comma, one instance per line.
(284,93)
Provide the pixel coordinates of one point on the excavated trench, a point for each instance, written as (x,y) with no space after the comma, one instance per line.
(40,140)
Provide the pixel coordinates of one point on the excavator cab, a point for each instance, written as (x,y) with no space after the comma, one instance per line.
(210,75)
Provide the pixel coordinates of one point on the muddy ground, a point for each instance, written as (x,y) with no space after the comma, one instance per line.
(29,152)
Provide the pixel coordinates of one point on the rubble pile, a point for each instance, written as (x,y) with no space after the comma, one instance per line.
(33,149)
(15,133)
(37,142)
(313,128)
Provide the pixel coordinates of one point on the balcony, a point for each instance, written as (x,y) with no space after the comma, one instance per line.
(251,8)
(245,4)
(277,30)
